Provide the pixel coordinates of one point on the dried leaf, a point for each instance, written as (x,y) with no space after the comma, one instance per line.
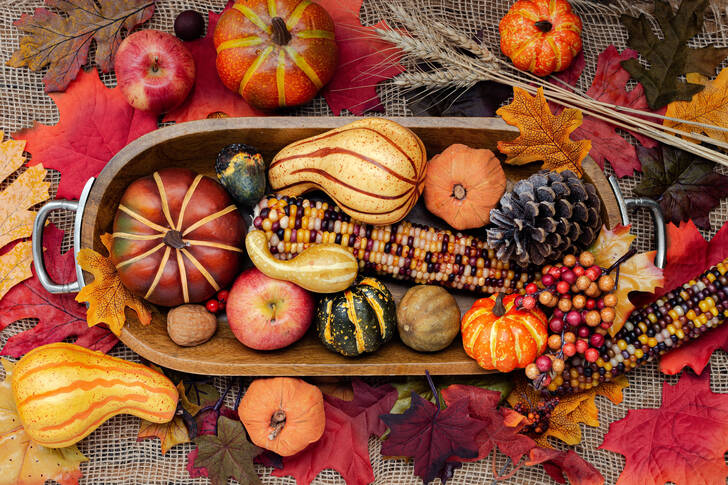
(638,273)
(59,316)
(683,441)
(23,462)
(709,106)
(106,295)
(227,454)
(670,57)
(15,266)
(63,41)
(685,186)
(95,123)
(560,463)
(169,434)
(571,409)
(543,135)
(207,425)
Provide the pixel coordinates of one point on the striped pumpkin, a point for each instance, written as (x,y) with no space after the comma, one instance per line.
(275,53)
(63,392)
(177,237)
(373,168)
(499,336)
(360,319)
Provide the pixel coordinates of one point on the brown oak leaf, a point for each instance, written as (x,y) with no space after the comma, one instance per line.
(106,295)
(63,41)
(544,136)
(709,106)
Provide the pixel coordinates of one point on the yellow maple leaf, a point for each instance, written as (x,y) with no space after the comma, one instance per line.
(638,273)
(15,266)
(170,434)
(23,462)
(709,106)
(106,295)
(543,135)
(571,410)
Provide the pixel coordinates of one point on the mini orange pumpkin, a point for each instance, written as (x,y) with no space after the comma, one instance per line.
(463,184)
(541,36)
(283,414)
(501,337)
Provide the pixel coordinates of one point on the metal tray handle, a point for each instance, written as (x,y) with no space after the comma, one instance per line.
(37,238)
(625,204)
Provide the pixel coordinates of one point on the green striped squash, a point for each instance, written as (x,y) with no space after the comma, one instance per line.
(358,320)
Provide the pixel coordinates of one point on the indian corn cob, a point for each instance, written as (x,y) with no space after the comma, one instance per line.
(679,316)
(404,251)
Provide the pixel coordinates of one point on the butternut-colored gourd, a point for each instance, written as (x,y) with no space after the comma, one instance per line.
(63,392)
(321,268)
(374,169)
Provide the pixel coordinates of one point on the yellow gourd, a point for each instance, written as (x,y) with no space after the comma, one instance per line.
(63,392)
(321,268)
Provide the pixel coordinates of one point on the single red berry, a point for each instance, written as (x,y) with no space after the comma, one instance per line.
(569,349)
(222,295)
(531,288)
(529,302)
(563,287)
(583,331)
(596,340)
(606,324)
(558,313)
(546,380)
(569,276)
(212,306)
(594,272)
(578,270)
(591,355)
(563,270)
(555,271)
(543,363)
(573,318)
(556,325)
(547,280)
(590,304)
(581,346)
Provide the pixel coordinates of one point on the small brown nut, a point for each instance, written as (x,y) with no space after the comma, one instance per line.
(189,325)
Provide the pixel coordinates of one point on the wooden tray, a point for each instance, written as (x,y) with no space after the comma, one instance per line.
(195,145)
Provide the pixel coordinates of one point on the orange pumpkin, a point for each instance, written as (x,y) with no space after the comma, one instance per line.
(275,53)
(501,337)
(463,184)
(283,414)
(541,36)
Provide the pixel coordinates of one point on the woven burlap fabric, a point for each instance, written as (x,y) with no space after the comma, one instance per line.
(115,457)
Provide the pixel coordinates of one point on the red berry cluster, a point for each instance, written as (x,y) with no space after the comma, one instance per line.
(217,304)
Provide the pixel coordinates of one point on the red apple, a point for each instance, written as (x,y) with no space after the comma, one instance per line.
(154,70)
(268,314)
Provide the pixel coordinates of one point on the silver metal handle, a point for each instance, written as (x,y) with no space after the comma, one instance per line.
(37,244)
(625,204)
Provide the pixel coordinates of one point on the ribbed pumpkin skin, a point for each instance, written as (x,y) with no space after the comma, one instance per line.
(373,168)
(503,343)
(63,392)
(360,319)
(134,238)
(268,75)
(536,51)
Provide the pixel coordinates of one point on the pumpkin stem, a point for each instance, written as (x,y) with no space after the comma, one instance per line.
(280,34)
(277,422)
(174,238)
(498,309)
(544,26)
(458,191)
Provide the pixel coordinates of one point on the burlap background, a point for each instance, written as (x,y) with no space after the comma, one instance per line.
(116,457)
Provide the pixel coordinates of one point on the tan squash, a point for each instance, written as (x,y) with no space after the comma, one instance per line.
(428,318)
(463,184)
(373,168)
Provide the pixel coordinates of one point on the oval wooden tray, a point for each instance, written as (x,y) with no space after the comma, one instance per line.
(195,145)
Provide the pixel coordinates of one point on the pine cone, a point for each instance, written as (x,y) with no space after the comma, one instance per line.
(543,217)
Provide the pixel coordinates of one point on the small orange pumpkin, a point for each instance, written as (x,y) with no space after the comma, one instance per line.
(283,414)
(541,36)
(499,336)
(463,184)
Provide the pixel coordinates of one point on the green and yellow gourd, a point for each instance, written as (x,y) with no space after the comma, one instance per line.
(241,170)
(358,320)
(63,392)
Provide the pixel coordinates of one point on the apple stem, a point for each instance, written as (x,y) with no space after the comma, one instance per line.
(280,34)
(155,64)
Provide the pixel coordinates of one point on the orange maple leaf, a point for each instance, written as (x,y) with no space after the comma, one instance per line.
(22,461)
(638,273)
(571,410)
(106,295)
(543,136)
(170,434)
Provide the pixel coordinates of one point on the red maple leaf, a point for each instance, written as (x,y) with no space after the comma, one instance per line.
(344,444)
(688,255)
(432,436)
(559,463)
(482,405)
(209,95)
(95,123)
(60,316)
(364,60)
(683,441)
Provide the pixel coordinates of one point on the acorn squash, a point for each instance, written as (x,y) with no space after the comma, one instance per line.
(241,170)
(357,320)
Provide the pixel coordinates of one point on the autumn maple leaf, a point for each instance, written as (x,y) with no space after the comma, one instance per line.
(543,136)
(95,123)
(227,454)
(683,441)
(559,463)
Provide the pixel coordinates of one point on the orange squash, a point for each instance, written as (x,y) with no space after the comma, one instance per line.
(499,336)
(283,414)
(463,184)
(541,36)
